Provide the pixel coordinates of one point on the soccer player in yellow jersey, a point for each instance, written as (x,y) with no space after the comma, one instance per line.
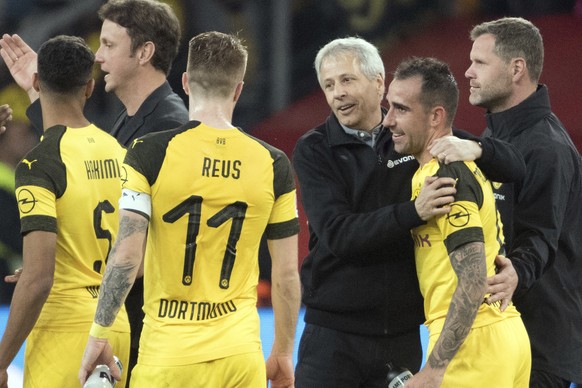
(471,343)
(196,201)
(67,189)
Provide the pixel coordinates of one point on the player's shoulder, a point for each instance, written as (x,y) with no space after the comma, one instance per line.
(41,167)
(33,161)
(106,138)
(157,139)
(275,152)
(43,155)
(456,169)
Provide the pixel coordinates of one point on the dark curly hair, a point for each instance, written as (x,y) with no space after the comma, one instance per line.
(65,63)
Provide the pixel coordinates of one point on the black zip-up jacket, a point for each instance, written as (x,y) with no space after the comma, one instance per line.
(542,222)
(359,275)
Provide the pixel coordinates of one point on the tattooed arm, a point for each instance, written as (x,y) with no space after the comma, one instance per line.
(468,262)
(122,267)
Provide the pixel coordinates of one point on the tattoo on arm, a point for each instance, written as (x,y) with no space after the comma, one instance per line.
(469,264)
(129,226)
(119,274)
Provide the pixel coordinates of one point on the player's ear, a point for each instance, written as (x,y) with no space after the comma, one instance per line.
(438,116)
(89,88)
(185,83)
(238,90)
(380,86)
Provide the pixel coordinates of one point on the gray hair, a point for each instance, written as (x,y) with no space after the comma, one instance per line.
(367,54)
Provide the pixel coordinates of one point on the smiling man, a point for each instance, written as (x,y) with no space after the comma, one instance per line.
(363,305)
(454,252)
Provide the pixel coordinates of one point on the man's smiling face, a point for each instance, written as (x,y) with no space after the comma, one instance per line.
(353,98)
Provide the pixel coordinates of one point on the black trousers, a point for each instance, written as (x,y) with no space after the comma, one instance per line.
(335,359)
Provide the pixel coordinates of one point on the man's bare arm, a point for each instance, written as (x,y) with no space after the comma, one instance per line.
(286,295)
(122,267)
(469,264)
(30,294)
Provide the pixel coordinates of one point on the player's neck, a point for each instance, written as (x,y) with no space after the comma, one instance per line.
(216,113)
(69,115)
(425,156)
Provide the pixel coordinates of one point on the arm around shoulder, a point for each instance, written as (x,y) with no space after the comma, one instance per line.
(499,160)
(327,196)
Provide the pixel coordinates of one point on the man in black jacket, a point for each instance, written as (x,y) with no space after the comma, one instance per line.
(541,213)
(139,41)
(363,305)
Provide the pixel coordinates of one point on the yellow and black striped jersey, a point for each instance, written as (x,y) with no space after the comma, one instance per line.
(214,192)
(473,218)
(69,184)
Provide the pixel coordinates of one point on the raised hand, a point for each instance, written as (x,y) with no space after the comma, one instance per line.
(21,61)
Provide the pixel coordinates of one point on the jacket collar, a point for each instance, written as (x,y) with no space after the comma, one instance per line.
(125,129)
(522,116)
(336,136)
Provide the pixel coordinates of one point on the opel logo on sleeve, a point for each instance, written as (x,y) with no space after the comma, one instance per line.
(26,201)
(458,216)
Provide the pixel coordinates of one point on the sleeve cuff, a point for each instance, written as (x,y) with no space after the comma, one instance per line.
(488,152)
(407,216)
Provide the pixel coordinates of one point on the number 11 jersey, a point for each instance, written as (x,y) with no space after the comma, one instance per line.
(214,192)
